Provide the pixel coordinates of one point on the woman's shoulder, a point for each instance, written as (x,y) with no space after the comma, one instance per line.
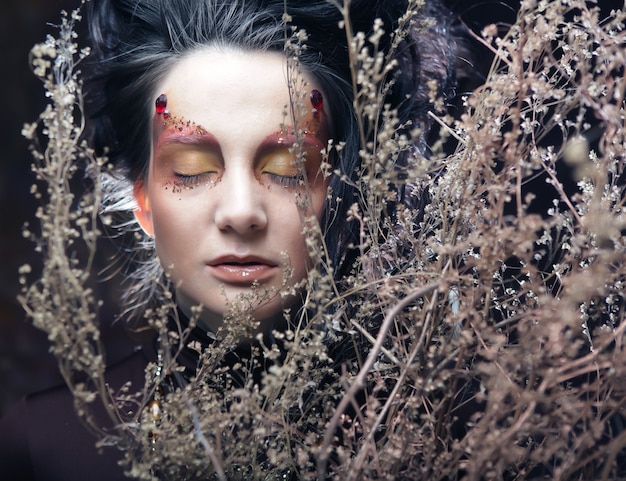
(42,438)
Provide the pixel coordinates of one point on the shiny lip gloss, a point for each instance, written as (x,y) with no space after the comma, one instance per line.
(242,270)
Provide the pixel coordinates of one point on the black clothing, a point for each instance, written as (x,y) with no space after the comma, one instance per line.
(42,438)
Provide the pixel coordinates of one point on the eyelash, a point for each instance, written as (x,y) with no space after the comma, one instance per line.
(284,180)
(185,180)
(192,180)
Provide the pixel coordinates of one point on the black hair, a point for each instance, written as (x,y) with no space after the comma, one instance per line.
(135,42)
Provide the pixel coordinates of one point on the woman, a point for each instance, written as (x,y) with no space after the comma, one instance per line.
(235,141)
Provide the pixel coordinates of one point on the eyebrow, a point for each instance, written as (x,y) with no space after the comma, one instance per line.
(187,137)
(308,139)
(205,138)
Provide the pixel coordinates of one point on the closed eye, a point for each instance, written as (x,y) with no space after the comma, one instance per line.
(283,180)
(279,166)
(193,180)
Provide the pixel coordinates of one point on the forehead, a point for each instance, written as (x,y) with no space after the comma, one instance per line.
(212,85)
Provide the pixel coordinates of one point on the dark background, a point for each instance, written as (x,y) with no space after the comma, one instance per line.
(25,365)
(24,362)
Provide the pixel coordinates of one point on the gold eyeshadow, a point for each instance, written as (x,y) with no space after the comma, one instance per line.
(187,164)
(279,161)
(188,156)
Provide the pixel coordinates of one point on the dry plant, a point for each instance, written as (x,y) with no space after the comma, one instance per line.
(486,339)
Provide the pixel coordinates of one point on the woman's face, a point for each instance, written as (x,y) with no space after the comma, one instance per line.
(224,197)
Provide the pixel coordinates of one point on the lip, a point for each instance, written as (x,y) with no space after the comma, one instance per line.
(243,270)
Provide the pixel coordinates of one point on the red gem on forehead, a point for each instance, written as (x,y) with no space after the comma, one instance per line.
(317,101)
(161,103)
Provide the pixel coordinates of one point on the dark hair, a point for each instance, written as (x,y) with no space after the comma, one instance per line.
(135,42)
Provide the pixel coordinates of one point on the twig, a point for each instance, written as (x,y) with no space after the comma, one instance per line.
(359,381)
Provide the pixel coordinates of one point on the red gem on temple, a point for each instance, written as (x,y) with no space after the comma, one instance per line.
(161,103)
(317,101)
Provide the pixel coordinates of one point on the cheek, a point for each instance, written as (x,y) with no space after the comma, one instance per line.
(292,231)
(318,198)
(174,220)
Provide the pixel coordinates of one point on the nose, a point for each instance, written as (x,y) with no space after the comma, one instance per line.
(240,206)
